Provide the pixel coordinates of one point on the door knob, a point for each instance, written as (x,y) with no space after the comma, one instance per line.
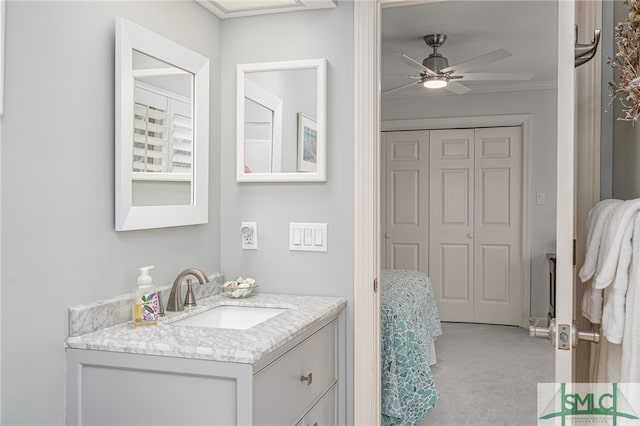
(568,335)
(548,332)
(387,236)
(470,235)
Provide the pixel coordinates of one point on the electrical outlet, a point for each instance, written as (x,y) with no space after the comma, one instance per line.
(249,235)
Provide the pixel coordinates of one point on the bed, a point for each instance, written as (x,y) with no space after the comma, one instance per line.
(410,323)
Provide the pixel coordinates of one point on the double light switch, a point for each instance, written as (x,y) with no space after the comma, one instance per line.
(308,236)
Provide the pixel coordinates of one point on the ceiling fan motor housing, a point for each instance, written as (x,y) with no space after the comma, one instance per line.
(436,62)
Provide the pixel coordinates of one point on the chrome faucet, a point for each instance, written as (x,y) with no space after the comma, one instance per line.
(175,301)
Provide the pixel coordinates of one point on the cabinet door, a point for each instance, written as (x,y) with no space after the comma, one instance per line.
(324,412)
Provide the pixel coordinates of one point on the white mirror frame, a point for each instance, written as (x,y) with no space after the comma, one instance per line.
(129,37)
(320,175)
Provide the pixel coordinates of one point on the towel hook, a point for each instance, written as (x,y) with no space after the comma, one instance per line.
(585,52)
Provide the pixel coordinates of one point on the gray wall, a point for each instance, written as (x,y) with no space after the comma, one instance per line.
(607,50)
(542,105)
(59,247)
(303,35)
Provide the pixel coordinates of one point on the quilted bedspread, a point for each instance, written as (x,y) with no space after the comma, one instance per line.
(410,322)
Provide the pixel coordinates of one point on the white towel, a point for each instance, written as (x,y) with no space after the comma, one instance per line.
(605,362)
(613,312)
(596,224)
(630,368)
(592,304)
(612,241)
(596,221)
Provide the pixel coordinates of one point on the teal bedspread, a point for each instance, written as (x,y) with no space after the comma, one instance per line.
(410,322)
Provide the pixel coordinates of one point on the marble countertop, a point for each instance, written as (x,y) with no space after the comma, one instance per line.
(243,346)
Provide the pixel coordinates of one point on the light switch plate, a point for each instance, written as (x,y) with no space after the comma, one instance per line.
(308,236)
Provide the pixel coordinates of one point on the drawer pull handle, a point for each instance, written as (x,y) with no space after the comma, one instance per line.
(307,379)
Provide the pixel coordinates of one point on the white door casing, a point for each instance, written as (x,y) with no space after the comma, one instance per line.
(405,195)
(366,226)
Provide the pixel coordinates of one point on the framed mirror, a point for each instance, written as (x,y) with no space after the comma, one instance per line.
(162,131)
(281,121)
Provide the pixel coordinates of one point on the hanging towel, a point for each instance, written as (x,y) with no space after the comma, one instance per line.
(613,316)
(596,224)
(630,368)
(596,221)
(612,241)
(605,362)
(592,304)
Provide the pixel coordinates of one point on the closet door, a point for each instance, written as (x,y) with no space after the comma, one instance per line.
(405,165)
(451,222)
(497,225)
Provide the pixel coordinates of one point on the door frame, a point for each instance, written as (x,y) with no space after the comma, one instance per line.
(565,182)
(366,223)
(366,310)
(525,121)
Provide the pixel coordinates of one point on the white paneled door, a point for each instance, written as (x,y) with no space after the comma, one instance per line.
(475,224)
(453,209)
(451,222)
(498,225)
(405,165)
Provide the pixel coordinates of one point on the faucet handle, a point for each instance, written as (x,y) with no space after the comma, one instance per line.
(190,299)
(160,305)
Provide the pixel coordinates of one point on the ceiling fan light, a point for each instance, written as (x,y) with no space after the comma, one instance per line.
(435,83)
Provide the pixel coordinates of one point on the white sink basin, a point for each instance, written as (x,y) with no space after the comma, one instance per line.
(227,316)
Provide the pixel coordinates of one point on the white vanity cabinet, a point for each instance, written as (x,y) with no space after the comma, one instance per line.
(298,383)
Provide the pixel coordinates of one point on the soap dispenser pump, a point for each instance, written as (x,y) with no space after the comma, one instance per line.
(145,303)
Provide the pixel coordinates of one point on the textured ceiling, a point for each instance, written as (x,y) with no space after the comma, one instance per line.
(527,29)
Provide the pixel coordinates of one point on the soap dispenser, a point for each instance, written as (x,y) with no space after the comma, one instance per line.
(145,303)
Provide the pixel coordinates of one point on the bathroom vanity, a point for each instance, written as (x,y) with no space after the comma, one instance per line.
(286,370)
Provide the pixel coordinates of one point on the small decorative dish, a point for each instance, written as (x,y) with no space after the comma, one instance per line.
(239,288)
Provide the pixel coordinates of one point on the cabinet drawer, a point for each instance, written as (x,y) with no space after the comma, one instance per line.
(279,394)
(324,412)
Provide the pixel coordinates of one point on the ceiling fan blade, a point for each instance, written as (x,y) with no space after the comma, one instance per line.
(457,88)
(415,64)
(487,58)
(406,77)
(505,76)
(399,88)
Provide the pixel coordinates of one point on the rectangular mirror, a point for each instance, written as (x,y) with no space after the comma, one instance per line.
(281,121)
(162,131)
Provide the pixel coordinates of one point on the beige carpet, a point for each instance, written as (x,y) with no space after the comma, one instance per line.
(488,375)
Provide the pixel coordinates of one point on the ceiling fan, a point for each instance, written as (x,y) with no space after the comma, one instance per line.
(436,73)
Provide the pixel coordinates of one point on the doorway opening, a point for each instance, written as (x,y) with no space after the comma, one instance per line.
(452,188)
